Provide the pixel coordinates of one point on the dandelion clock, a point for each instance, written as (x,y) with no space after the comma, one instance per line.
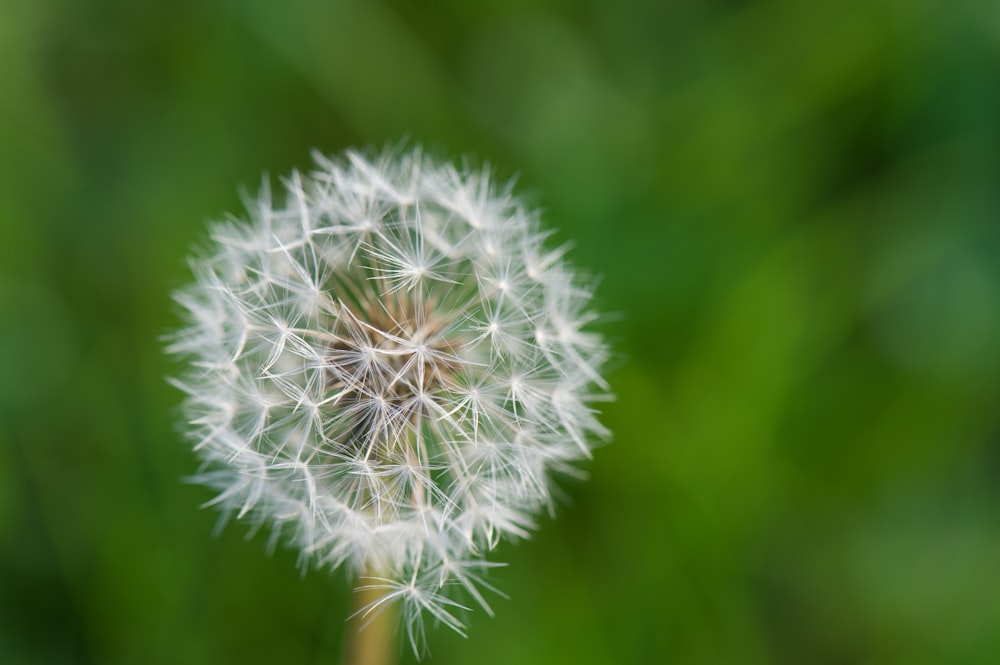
(387,367)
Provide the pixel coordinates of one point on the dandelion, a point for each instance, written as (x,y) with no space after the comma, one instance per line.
(387,369)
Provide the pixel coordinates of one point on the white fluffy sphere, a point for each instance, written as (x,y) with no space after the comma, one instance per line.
(388,367)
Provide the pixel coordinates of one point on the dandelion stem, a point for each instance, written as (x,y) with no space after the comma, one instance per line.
(370,636)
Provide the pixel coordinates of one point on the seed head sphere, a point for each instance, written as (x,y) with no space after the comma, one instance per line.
(387,369)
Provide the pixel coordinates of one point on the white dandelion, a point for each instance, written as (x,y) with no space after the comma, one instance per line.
(387,370)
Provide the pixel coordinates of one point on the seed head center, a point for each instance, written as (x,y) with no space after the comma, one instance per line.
(385,370)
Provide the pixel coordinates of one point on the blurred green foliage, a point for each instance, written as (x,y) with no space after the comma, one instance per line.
(795,210)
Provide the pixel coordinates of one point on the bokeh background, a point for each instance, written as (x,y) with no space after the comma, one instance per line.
(795,210)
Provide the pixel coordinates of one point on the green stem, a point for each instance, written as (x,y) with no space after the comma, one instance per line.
(370,639)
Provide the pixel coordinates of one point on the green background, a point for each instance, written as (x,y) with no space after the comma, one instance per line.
(795,210)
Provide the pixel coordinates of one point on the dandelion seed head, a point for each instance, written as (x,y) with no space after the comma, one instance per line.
(387,369)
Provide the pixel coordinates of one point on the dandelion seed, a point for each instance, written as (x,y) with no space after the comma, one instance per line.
(387,371)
